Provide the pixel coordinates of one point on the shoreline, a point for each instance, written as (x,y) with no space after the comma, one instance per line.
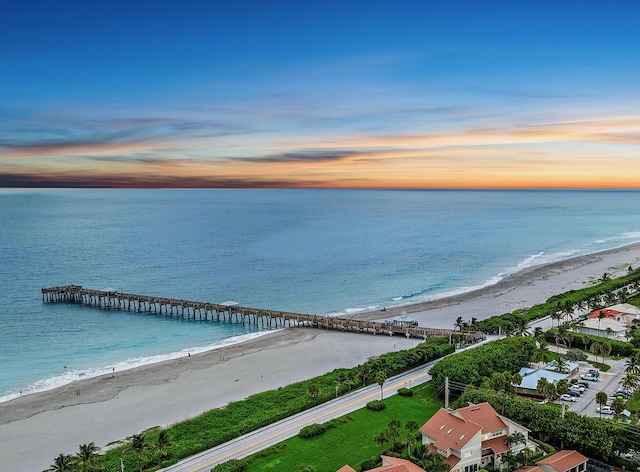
(578,270)
(111,407)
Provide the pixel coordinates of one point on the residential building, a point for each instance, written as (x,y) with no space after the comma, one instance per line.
(473,437)
(531,377)
(563,461)
(390,464)
(605,327)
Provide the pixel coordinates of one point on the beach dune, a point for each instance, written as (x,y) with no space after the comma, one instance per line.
(35,428)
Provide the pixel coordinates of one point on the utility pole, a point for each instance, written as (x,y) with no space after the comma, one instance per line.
(446,392)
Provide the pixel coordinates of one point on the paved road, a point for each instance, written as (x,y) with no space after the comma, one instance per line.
(273,434)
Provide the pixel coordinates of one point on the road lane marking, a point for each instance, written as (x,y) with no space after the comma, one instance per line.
(308,421)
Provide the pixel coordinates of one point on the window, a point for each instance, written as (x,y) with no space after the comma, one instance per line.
(496,433)
(468,454)
(471,468)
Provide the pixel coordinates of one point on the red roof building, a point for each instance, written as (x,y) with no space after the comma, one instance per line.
(390,464)
(563,461)
(471,438)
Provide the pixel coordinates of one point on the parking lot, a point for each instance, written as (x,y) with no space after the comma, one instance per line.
(608,383)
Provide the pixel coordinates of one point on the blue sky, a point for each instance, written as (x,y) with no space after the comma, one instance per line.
(320,94)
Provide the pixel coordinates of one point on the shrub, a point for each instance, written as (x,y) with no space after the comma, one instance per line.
(312,430)
(405,392)
(576,355)
(368,464)
(232,465)
(376,405)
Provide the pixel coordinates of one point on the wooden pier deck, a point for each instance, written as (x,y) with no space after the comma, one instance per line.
(228,312)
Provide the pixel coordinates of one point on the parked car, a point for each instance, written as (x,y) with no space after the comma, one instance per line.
(577,388)
(568,398)
(605,410)
(622,393)
(574,393)
(584,383)
(594,372)
(589,377)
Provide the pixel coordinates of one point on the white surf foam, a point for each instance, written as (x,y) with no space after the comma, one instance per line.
(74,375)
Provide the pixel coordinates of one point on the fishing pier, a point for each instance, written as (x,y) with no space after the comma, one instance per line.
(229,312)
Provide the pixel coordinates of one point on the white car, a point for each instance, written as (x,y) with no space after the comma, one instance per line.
(568,398)
(605,410)
(589,377)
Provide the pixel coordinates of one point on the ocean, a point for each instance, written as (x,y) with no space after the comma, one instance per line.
(310,251)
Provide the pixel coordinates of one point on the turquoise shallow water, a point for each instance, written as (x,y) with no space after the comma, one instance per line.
(320,251)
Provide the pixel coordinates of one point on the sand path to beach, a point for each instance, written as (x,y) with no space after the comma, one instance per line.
(35,428)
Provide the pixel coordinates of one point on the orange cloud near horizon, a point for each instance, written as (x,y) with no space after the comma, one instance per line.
(598,153)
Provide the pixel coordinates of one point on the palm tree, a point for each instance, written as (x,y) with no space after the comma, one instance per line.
(62,463)
(601,399)
(380,439)
(162,445)
(313,391)
(632,365)
(606,350)
(540,354)
(393,432)
(561,365)
(561,335)
(520,326)
(601,315)
(562,386)
(618,405)
(458,323)
(138,445)
(596,349)
(608,331)
(514,439)
(556,315)
(546,389)
(585,341)
(85,455)
(381,378)
(629,381)
(411,427)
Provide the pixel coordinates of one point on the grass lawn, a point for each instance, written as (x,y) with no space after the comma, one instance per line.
(349,443)
(633,404)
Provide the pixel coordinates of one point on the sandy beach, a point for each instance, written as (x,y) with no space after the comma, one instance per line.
(35,428)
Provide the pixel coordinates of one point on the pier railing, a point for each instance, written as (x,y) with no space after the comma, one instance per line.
(229,312)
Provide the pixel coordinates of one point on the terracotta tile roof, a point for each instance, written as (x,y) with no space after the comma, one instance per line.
(449,431)
(391,468)
(483,414)
(393,464)
(498,445)
(452,461)
(563,460)
(346,468)
(529,468)
(607,312)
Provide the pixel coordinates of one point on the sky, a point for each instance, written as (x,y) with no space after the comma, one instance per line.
(320,94)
